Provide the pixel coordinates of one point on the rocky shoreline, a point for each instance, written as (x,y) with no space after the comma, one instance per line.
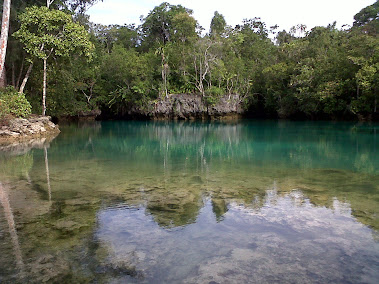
(27,129)
(191,107)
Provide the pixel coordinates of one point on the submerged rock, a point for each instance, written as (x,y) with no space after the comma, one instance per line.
(67,226)
(50,268)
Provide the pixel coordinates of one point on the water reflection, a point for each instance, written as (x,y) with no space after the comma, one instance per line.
(47,172)
(285,239)
(4,200)
(192,202)
(290,144)
(16,164)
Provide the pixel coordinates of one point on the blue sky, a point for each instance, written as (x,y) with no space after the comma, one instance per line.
(285,13)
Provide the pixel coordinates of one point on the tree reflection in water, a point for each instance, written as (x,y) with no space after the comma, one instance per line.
(4,199)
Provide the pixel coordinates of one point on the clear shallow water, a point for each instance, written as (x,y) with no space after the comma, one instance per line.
(161,202)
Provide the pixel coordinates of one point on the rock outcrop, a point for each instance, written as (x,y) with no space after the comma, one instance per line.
(21,129)
(190,107)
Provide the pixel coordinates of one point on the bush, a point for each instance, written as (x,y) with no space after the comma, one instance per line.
(4,109)
(213,95)
(14,104)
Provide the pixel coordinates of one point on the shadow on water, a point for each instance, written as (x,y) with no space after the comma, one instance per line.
(193,202)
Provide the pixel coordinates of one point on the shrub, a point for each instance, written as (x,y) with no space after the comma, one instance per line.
(213,95)
(4,109)
(13,103)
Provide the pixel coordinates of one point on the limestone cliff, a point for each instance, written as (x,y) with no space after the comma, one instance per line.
(190,107)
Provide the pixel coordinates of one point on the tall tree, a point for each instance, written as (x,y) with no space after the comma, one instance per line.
(218,25)
(184,26)
(157,25)
(19,61)
(4,39)
(47,32)
(368,19)
(367,15)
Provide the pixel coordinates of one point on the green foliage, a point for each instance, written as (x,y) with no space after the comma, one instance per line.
(4,110)
(44,31)
(158,24)
(108,36)
(367,20)
(184,26)
(13,103)
(129,77)
(213,95)
(218,25)
(284,37)
(367,15)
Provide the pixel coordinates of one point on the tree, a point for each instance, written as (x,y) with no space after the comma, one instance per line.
(157,25)
(284,37)
(299,29)
(47,32)
(184,26)
(128,78)
(164,68)
(363,53)
(367,15)
(204,59)
(4,39)
(126,35)
(19,66)
(368,19)
(218,25)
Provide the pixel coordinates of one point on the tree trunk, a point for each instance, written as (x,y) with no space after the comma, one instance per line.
(165,73)
(49,2)
(4,37)
(44,86)
(13,76)
(26,78)
(20,74)
(3,78)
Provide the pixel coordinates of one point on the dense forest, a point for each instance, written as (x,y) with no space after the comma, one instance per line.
(55,54)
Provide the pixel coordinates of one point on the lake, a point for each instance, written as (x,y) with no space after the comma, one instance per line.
(193,202)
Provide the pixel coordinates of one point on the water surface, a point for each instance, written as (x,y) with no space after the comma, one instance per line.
(170,202)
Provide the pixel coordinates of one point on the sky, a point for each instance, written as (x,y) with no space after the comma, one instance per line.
(285,13)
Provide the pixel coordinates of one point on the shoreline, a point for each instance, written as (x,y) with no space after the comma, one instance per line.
(22,130)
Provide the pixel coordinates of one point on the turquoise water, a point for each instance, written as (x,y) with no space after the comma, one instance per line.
(193,202)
